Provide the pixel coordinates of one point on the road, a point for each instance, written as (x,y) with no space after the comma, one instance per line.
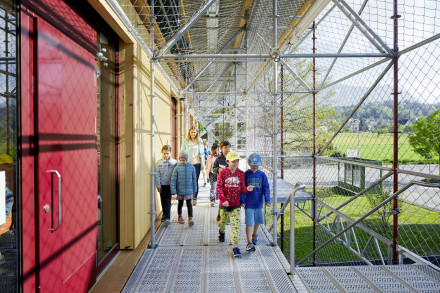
(327,175)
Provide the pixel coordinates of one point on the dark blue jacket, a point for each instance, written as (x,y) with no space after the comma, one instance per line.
(254,199)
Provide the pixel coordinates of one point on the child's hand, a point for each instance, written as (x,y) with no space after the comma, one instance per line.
(250,188)
(159,189)
(268,204)
(194,193)
(226,204)
(243,205)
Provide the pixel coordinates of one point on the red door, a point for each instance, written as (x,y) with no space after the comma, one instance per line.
(65,157)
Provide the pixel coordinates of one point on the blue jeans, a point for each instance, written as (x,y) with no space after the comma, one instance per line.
(197,167)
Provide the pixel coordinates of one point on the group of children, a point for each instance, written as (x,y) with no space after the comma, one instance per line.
(233,187)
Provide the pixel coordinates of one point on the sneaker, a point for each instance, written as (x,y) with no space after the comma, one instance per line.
(254,239)
(204,184)
(180,220)
(221,236)
(218,218)
(212,203)
(250,247)
(190,222)
(194,202)
(163,219)
(166,222)
(236,251)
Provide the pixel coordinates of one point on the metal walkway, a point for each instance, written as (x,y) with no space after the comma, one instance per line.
(192,260)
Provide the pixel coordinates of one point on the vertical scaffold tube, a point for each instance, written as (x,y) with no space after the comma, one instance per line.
(275,88)
(396,135)
(152,191)
(282,148)
(314,147)
(235,107)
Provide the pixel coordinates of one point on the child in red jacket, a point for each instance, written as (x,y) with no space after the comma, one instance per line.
(230,185)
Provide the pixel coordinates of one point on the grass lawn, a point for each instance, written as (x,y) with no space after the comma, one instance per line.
(419,231)
(379,147)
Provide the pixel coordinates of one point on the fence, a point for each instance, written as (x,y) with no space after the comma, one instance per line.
(359,81)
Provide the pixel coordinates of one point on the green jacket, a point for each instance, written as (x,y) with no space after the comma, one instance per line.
(185,147)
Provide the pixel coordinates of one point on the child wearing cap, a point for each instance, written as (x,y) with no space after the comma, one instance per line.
(184,184)
(230,185)
(253,200)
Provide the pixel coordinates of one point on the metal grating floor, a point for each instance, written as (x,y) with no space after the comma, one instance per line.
(400,278)
(192,260)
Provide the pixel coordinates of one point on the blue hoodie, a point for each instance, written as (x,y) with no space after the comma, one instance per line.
(183,180)
(254,199)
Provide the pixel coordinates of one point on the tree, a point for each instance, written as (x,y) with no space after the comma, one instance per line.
(425,136)
(407,128)
(363,125)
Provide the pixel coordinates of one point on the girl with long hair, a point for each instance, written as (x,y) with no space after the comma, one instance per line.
(196,154)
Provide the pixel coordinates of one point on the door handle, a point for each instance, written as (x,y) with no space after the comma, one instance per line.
(59,199)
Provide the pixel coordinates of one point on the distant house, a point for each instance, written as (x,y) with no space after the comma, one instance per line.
(371,123)
(354,124)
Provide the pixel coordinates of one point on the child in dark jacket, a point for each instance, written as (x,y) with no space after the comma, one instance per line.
(184,184)
(253,201)
(230,185)
(220,163)
(209,174)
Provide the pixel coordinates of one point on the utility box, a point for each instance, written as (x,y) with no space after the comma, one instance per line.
(351,177)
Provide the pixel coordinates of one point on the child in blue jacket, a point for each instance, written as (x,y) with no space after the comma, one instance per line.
(252,201)
(184,184)
(164,169)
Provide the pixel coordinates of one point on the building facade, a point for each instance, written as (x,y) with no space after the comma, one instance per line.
(76,139)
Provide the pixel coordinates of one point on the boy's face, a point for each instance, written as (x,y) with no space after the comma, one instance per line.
(233,164)
(166,155)
(214,152)
(225,150)
(182,161)
(254,168)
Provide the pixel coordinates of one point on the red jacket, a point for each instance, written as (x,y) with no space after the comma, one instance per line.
(230,186)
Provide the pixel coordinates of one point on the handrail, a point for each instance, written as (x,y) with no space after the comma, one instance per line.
(411,183)
(298,186)
(374,184)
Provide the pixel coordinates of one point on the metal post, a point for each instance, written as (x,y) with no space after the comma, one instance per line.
(179,125)
(247,100)
(282,122)
(314,148)
(223,132)
(282,229)
(187,120)
(275,152)
(396,137)
(282,150)
(292,233)
(298,186)
(235,107)
(152,191)
(7,81)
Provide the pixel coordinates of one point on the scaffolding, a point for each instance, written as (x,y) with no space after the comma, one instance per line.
(306,84)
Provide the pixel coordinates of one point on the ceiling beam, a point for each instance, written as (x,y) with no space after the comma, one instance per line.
(185,28)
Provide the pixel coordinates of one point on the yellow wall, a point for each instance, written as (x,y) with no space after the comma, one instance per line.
(135,129)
